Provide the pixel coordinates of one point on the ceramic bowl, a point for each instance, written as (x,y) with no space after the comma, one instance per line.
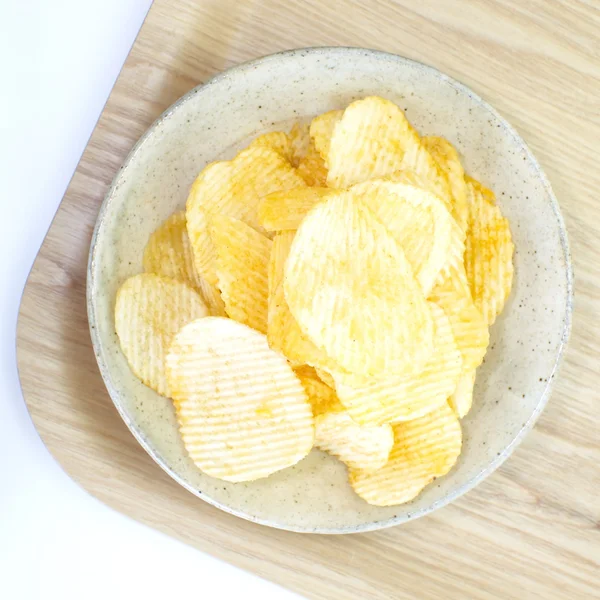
(213,121)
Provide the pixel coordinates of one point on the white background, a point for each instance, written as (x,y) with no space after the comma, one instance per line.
(58,62)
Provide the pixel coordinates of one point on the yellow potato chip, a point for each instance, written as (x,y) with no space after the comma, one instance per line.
(419,160)
(402,398)
(423,450)
(488,255)
(326,377)
(462,399)
(358,446)
(470,331)
(322,398)
(418,221)
(321,130)
(285,210)
(234,188)
(299,142)
(283,331)
(445,154)
(487,194)
(149,311)
(242,412)
(369,141)
(374,139)
(352,291)
(169,253)
(242,270)
(312,168)
(275,140)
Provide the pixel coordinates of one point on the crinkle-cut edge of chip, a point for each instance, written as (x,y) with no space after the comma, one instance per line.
(480,215)
(462,399)
(321,130)
(243,309)
(162,387)
(381,434)
(438,468)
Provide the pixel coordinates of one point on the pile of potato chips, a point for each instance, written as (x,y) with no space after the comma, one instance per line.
(332,288)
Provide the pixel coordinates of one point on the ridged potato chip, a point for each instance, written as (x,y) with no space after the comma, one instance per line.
(321,130)
(358,446)
(470,331)
(149,310)
(352,291)
(445,154)
(488,255)
(423,450)
(299,141)
(243,414)
(234,189)
(312,167)
(322,398)
(275,140)
(418,221)
(402,398)
(169,253)
(488,195)
(336,433)
(283,331)
(325,377)
(282,211)
(369,141)
(462,398)
(242,270)
(373,139)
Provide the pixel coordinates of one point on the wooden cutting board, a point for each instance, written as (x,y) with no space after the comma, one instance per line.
(532,530)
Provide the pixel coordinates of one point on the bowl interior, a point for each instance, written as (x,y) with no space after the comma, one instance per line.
(215,120)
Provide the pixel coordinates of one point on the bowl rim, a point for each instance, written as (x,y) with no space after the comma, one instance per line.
(91,286)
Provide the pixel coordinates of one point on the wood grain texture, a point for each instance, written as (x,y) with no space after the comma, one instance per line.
(531,530)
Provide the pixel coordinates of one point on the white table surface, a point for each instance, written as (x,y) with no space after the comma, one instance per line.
(59,60)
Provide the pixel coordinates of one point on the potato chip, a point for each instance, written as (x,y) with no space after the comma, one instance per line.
(470,331)
(487,194)
(149,311)
(242,262)
(242,412)
(169,253)
(369,141)
(321,130)
(423,450)
(488,255)
(322,398)
(402,398)
(285,210)
(234,188)
(312,168)
(325,377)
(358,446)
(445,154)
(462,399)
(336,433)
(299,142)
(275,140)
(352,291)
(418,221)
(419,160)
(374,139)
(283,331)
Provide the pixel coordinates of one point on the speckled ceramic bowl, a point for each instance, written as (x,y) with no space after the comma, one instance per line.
(216,119)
